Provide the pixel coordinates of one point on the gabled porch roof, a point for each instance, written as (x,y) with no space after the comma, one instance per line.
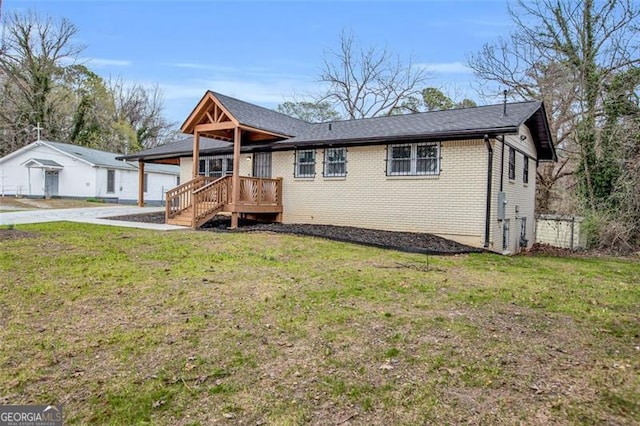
(216,116)
(40,163)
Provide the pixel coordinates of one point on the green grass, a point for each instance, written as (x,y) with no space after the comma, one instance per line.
(127,326)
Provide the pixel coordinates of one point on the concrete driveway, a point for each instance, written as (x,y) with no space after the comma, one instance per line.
(94,215)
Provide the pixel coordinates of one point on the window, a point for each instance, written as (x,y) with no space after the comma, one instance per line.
(305,163)
(335,162)
(111,181)
(177,180)
(413,159)
(216,166)
(145,182)
(512,163)
(523,232)
(525,170)
(505,235)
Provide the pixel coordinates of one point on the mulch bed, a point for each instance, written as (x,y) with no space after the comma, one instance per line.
(411,242)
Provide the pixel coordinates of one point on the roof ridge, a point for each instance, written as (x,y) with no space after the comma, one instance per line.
(80,146)
(259,106)
(420,113)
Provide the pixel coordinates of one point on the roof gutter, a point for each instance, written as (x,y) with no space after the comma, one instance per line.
(441,136)
(487,221)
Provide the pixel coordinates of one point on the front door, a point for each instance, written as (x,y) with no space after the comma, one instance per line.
(262,165)
(50,183)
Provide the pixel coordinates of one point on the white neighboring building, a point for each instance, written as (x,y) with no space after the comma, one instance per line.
(54,169)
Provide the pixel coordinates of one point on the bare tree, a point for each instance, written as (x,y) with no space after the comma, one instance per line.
(312,112)
(33,50)
(141,109)
(368,83)
(564,52)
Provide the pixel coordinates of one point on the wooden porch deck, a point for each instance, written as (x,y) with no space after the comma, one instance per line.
(196,202)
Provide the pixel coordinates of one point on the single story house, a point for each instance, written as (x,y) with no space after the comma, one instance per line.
(468,175)
(54,169)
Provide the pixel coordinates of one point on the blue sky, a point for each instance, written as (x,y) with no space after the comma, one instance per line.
(266,52)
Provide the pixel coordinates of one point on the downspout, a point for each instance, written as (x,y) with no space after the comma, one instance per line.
(501,164)
(487,222)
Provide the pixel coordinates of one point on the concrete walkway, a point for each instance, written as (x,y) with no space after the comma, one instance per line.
(94,215)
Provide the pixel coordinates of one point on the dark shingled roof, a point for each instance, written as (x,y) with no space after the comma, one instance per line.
(180,147)
(453,122)
(435,125)
(262,118)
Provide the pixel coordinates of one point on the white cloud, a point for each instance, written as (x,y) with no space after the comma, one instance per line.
(447,68)
(181,97)
(101,62)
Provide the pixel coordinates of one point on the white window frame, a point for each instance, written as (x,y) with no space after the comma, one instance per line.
(112,190)
(413,160)
(226,162)
(512,164)
(145,183)
(328,162)
(298,164)
(525,170)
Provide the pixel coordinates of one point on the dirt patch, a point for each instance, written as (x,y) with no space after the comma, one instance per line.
(156,217)
(14,234)
(412,242)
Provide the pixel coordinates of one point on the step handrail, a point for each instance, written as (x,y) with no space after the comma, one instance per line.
(178,199)
(210,199)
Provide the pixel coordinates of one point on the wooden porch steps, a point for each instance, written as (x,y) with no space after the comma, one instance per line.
(196,202)
(185,217)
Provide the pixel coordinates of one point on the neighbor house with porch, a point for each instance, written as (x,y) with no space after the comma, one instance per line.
(54,169)
(468,175)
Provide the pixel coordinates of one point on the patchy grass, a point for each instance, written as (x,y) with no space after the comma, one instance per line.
(127,326)
(17,204)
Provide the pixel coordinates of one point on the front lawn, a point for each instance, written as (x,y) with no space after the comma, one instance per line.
(126,326)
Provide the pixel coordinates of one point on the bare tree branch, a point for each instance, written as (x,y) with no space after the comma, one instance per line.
(368,83)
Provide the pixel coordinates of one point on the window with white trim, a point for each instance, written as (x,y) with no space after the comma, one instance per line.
(512,163)
(413,159)
(216,166)
(145,182)
(525,170)
(111,181)
(305,166)
(335,162)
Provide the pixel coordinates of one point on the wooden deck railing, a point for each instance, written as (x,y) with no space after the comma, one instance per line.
(260,191)
(207,196)
(178,199)
(210,198)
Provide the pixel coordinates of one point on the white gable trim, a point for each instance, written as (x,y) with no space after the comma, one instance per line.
(36,144)
(40,165)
